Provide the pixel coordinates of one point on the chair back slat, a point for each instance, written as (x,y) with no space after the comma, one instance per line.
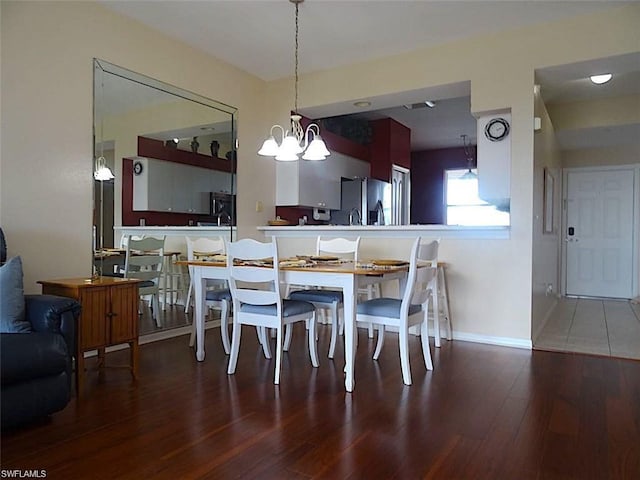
(426,271)
(256,285)
(147,252)
(338,246)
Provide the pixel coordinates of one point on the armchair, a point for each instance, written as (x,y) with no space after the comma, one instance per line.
(36,367)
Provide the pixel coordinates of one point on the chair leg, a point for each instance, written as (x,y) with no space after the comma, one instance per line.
(266,348)
(187,303)
(436,312)
(334,329)
(403,337)
(379,343)
(426,350)
(224,326)
(313,344)
(192,336)
(156,309)
(442,287)
(235,348)
(288,333)
(278,354)
(370,295)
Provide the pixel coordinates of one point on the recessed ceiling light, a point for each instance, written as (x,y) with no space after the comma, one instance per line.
(600,79)
(362,104)
(429,103)
(207,128)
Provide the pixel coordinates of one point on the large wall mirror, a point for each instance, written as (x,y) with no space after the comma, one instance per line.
(164,166)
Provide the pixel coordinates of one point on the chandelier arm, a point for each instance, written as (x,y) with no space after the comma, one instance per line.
(296,61)
(281,130)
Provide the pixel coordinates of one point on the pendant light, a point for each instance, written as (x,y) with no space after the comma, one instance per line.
(469,174)
(102,172)
(297,140)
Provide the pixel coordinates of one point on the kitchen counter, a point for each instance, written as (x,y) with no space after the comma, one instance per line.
(184,230)
(398,231)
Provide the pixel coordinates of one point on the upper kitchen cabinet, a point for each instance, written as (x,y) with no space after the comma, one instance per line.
(163,186)
(316,184)
(391,145)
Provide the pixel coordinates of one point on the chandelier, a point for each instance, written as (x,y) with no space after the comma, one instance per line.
(468,152)
(297,140)
(102,172)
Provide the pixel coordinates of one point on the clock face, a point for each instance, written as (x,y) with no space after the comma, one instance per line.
(137,168)
(497,129)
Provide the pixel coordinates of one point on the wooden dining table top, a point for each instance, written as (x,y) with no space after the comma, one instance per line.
(361,268)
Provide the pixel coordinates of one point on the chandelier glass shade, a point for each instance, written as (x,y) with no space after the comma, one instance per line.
(296,140)
(469,174)
(102,172)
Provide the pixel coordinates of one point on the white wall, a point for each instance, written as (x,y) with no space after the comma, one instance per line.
(492,283)
(46,143)
(45,203)
(546,247)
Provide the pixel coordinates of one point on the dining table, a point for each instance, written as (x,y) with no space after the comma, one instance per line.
(345,275)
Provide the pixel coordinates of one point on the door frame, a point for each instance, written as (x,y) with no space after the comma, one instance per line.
(635,256)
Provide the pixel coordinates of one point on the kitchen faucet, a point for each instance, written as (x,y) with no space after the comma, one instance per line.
(226,215)
(357,215)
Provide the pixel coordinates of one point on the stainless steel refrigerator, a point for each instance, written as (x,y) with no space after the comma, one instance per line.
(364,201)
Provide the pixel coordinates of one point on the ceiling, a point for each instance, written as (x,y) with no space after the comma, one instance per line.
(338,32)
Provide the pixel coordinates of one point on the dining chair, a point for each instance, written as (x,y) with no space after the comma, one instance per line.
(325,298)
(412,309)
(143,260)
(217,293)
(255,289)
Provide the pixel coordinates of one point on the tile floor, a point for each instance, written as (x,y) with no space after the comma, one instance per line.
(600,327)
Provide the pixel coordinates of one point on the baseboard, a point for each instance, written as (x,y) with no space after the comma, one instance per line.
(544,320)
(155,337)
(490,340)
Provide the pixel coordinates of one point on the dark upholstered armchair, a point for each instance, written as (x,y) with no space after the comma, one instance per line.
(36,367)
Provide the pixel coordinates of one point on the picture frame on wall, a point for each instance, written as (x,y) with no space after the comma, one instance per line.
(548,200)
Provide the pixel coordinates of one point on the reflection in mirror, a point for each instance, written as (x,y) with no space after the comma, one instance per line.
(164,166)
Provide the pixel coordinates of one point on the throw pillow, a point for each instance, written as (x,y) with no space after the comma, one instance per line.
(12,298)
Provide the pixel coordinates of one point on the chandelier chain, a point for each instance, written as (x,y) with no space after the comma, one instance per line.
(296,62)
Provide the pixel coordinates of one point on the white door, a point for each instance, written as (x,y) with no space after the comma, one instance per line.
(599,233)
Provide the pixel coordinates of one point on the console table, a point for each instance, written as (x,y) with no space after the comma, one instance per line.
(109,316)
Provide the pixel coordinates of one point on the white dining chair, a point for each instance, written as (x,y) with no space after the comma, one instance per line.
(412,309)
(255,289)
(217,294)
(144,259)
(325,298)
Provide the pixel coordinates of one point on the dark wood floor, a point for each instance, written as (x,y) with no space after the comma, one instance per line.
(484,412)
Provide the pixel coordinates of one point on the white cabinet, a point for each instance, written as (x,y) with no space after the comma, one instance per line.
(316,183)
(163,186)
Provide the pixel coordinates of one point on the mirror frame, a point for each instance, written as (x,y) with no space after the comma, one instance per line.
(100,68)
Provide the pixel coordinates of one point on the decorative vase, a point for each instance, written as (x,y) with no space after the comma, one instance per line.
(215,146)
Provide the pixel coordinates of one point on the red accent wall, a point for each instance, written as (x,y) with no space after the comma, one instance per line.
(148,147)
(391,144)
(427,182)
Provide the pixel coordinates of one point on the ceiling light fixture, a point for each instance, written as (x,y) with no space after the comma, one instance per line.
(468,152)
(600,79)
(362,104)
(429,103)
(102,172)
(295,141)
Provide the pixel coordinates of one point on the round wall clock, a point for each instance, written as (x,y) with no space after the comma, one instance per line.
(137,168)
(497,129)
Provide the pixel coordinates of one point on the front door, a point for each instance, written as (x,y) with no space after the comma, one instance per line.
(599,233)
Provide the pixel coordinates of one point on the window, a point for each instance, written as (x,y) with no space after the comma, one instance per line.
(464,207)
